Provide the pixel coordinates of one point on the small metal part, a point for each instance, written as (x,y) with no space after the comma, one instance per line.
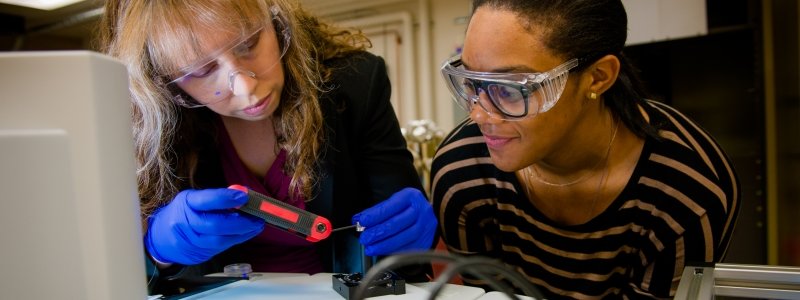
(321,227)
(357,226)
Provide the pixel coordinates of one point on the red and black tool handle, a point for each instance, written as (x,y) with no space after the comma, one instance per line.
(312,227)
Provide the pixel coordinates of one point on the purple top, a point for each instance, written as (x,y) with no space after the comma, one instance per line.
(273,250)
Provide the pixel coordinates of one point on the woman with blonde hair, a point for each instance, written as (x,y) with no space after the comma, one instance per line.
(261,93)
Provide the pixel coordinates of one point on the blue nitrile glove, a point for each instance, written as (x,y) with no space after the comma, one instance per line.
(198,224)
(404,222)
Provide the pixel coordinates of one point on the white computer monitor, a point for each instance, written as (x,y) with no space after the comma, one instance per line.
(69,213)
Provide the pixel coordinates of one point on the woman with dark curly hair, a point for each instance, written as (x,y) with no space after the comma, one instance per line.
(565,170)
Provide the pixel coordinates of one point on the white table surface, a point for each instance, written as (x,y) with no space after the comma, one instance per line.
(268,286)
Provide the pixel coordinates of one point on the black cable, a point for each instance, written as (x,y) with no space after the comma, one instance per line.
(465,265)
(512,275)
(476,266)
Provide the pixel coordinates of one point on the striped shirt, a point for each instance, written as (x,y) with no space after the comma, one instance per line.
(679,207)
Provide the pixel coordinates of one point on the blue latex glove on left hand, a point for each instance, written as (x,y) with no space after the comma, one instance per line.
(198,224)
(404,222)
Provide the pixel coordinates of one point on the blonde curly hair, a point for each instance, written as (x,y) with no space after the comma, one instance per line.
(151,37)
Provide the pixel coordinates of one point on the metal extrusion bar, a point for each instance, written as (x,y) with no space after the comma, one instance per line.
(757,281)
(696,283)
(740,281)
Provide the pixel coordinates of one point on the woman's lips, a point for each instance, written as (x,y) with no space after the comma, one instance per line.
(258,108)
(496,141)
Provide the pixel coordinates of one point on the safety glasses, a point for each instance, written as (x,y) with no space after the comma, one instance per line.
(211,80)
(508,96)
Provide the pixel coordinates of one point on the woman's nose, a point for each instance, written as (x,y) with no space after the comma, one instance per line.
(481,116)
(242,82)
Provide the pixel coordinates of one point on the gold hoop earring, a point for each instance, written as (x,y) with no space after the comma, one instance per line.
(593,96)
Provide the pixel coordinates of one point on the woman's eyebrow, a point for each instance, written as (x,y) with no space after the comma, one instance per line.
(506,69)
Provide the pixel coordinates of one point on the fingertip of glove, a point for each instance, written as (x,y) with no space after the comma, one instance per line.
(238,196)
(355,219)
(411,190)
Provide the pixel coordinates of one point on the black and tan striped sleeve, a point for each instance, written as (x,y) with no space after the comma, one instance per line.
(690,189)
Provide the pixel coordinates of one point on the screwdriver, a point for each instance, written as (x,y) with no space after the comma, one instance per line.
(302,223)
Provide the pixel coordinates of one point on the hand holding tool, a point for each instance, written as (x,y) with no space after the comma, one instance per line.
(198,224)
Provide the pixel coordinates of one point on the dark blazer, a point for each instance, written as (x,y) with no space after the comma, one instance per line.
(365,160)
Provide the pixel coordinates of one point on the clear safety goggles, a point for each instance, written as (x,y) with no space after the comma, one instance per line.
(508,96)
(211,81)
